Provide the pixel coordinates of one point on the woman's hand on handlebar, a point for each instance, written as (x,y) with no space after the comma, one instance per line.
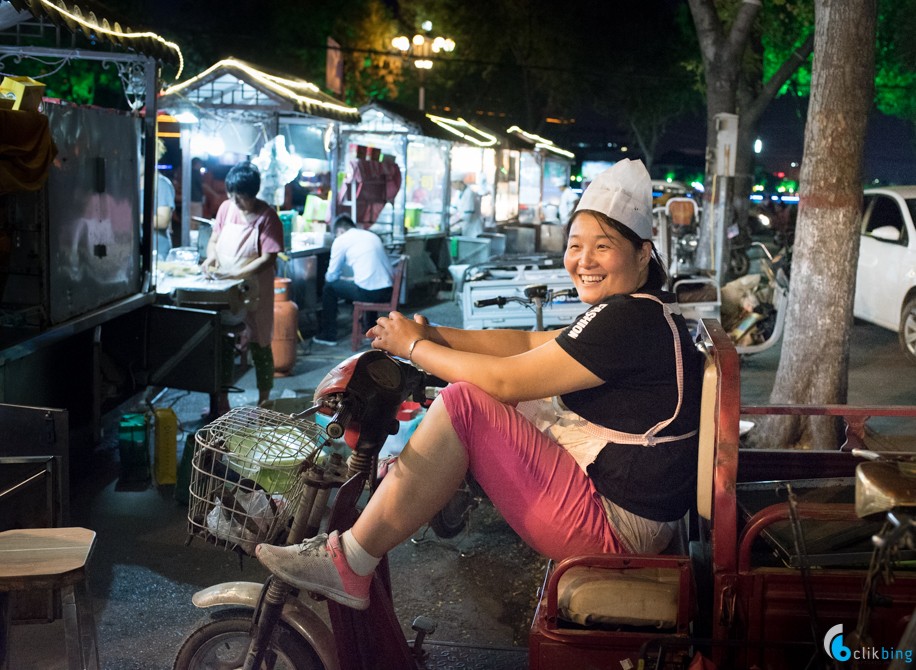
(395,333)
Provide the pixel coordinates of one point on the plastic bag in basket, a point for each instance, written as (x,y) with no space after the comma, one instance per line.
(246,523)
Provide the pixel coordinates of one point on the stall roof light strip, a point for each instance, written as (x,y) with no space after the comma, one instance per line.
(541,142)
(457,127)
(280,85)
(117,32)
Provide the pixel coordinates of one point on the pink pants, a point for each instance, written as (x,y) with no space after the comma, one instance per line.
(536,485)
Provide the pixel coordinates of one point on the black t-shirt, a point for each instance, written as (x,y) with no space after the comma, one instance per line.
(628,342)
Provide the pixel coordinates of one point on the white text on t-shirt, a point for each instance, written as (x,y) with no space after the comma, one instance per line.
(581,323)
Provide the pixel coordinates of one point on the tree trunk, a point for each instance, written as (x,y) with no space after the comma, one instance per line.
(722,59)
(814,363)
(722,55)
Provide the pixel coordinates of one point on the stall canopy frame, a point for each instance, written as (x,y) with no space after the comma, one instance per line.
(235,86)
(28,26)
(97,31)
(238,91)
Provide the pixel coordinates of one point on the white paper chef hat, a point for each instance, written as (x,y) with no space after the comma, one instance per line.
(624,193)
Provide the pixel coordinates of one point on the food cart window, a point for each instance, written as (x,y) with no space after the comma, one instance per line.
(506,204)
(476,165)
(378,147)
(427,166)
(556,175)
(305,143)
(529,190)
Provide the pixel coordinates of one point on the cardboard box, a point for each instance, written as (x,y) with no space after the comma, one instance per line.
(26,90)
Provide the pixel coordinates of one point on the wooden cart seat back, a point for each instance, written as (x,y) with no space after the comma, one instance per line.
(645,590)
(706,454)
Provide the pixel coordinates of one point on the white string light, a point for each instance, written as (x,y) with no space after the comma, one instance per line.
(541,142)
(105,29)
(455,127)
(294,89)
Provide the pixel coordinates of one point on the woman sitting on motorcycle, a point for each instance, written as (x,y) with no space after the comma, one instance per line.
(585,438)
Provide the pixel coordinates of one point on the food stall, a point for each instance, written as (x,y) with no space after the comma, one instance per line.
(415,218)
(429,151)
(75,258)
(234,111)
(541,168)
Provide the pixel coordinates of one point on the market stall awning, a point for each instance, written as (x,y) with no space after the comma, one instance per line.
(538,143)
(233,84)
(95,28)
(429,125)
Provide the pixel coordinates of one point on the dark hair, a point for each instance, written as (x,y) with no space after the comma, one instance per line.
(344,222)
(244,179)
(658,276)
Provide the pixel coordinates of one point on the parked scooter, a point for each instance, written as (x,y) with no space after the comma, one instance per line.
(269,625)
(753,309)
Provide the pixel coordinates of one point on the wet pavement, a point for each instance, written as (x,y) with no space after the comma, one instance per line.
(479,587)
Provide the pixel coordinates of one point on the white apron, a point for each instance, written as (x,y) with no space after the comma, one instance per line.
(237,245)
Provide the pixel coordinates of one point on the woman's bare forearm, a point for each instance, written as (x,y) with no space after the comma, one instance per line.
(496,342)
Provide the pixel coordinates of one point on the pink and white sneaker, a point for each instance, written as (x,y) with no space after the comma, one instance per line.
(318,565)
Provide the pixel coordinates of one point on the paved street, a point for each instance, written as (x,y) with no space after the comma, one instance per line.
(143,575)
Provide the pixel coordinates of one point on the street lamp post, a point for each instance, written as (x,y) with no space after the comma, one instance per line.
(420,49)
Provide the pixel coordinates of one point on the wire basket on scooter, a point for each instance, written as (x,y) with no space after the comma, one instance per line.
(245,480)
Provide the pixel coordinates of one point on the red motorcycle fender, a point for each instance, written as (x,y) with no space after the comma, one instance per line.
(299,616)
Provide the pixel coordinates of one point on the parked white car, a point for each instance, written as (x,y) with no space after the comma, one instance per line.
(886,276)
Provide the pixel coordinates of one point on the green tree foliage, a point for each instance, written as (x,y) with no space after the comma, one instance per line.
(895,55)
(371,68)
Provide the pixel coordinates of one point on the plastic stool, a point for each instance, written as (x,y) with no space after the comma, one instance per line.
(51,558)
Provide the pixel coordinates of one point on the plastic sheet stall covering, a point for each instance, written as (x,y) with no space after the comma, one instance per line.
(369,187)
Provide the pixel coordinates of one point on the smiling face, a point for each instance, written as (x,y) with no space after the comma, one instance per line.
(602,262)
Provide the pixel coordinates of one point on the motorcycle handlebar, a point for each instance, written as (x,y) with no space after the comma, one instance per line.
(338,423)
(501,300)
(486,302)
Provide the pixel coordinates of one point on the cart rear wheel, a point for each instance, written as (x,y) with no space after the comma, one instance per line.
(222,642)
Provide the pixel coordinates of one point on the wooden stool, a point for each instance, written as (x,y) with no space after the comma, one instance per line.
(51,558)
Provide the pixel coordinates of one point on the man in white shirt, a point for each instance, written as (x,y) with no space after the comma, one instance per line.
(360,255)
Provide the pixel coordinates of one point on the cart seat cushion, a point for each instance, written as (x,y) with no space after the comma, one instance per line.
(636,597)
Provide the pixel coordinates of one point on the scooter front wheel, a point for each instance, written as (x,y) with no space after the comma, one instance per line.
(222,642)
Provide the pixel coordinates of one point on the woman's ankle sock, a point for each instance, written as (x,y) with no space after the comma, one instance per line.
(359,560)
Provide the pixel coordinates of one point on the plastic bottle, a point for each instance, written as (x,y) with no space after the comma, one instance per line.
(165,446)
(286,319)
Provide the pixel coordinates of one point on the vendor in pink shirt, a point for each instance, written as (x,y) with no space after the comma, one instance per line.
(247,236)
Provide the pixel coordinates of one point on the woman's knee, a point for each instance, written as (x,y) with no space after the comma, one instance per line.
(479,420)
(464,403)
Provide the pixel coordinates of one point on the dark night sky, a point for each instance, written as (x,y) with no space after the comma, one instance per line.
(890,143)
